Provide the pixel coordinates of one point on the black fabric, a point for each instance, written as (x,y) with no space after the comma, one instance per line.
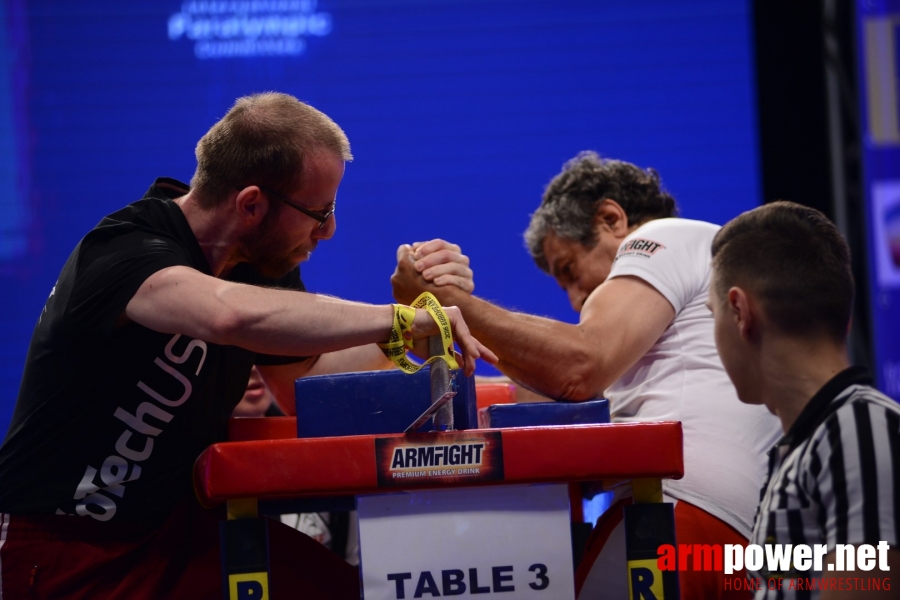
(820,405)
(833,478)
(109,419)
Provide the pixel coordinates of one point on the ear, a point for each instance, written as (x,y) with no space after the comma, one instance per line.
(743,311)
(251,205)
(611,217)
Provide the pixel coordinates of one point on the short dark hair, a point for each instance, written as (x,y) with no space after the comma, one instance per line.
(263,140)
(794,260)
(570,201)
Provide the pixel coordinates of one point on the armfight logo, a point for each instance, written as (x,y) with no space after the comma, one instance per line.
(427,459)
(248,28)
(639,247)
(779,566)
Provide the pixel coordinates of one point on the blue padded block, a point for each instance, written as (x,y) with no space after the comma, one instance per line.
(548,413)
(374,402)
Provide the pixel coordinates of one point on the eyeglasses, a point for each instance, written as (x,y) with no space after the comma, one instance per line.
(321,217)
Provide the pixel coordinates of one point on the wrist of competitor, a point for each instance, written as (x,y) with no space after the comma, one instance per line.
(400,338)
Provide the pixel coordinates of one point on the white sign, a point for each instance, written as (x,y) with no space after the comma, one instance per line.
(488,542)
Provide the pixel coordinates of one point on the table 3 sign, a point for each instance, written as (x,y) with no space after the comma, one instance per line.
(453,582)
(506,541)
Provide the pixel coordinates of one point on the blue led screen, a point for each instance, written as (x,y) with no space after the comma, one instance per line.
(879,60)
(459,113)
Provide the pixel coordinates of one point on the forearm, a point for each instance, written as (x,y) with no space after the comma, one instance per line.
(522,394)
(550,357)
(269,321)
(620,321)
(361,358)
(297,323)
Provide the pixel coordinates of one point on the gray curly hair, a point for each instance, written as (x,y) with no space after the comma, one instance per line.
(570,201)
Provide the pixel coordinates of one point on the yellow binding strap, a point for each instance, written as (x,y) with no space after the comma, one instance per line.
(401,337)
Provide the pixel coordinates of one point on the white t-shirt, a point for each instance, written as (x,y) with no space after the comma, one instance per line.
(682,378)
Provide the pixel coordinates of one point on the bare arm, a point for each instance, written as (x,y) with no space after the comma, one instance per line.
(523,395)
(352,360)
(280,378)
(620,322)
(280,322)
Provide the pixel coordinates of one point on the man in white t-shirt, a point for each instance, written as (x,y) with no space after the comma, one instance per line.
(639,279)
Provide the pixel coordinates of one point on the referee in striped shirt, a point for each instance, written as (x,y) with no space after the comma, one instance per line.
(781,294)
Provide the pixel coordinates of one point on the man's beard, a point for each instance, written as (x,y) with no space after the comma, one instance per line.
(270,252)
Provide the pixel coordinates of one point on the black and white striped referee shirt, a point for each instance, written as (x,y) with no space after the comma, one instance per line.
(834,478)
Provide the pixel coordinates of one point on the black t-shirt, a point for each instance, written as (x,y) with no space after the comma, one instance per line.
(109,420)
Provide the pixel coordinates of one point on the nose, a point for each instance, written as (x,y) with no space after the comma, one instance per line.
(326,231)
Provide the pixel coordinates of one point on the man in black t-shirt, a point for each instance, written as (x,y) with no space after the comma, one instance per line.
(146,342)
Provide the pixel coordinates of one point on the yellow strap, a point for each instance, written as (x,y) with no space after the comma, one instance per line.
(401,338)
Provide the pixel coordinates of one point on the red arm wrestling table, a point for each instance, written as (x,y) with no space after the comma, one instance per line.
(267,462)
(276,467)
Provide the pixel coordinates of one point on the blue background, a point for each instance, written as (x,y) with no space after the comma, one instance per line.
(881,163)
(459,113)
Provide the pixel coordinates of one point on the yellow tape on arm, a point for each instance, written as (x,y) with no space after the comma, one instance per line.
(430,303)
(401,338)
